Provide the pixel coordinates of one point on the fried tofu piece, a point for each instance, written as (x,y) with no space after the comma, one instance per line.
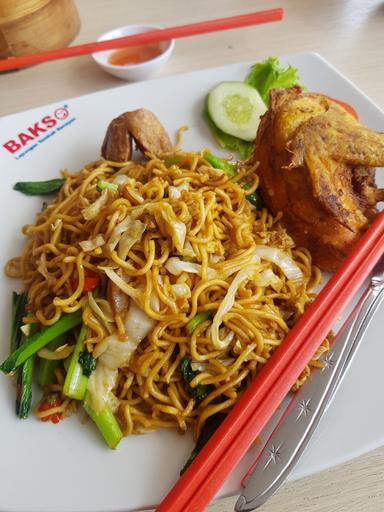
(117,144)
(142,126)
(147,131)
(316,166)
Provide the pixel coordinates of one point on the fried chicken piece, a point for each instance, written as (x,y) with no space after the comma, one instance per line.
(140,125)
(316,166)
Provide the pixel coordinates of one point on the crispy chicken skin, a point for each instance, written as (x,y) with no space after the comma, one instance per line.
(140,125)
(316,166)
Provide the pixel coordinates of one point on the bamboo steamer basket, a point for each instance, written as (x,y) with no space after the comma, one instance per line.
(31,26)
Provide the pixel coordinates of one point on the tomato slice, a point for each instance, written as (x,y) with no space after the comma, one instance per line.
(346,106)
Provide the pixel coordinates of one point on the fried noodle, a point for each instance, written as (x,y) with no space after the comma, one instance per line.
(176,239)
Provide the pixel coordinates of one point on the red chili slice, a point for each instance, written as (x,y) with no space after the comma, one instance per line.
(55,418)
(91,281)
(45,406)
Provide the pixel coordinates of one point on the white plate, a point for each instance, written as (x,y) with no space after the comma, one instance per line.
(66,467)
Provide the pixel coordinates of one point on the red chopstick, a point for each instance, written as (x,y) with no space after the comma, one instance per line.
(198,485)
(154,36)
(272,400)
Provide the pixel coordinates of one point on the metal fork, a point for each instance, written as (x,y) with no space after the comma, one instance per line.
(288,441)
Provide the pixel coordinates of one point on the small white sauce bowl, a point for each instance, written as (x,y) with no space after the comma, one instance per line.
(133,72)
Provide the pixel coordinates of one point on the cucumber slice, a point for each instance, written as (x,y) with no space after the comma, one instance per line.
(235,108)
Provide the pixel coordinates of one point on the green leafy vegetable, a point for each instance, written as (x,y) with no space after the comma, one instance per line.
(87,362)
(76,382)
(106,423)
(269,74)
(186,370)
(219,163)
(201,390)
(25,371)
(102,185)
(39,340)
(47,367)
(18,310)
(24,387)
(197,320)
(209,428)
(38,188)
(256,199)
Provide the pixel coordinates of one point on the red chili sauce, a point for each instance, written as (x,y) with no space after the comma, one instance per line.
(135,54)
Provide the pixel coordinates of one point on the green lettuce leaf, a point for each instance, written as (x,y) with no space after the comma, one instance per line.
(269,74)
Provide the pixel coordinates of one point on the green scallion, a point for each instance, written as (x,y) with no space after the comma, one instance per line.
(218,163)
(197,320)
(102,185)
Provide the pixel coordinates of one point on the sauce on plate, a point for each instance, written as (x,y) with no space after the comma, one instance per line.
(135,54)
